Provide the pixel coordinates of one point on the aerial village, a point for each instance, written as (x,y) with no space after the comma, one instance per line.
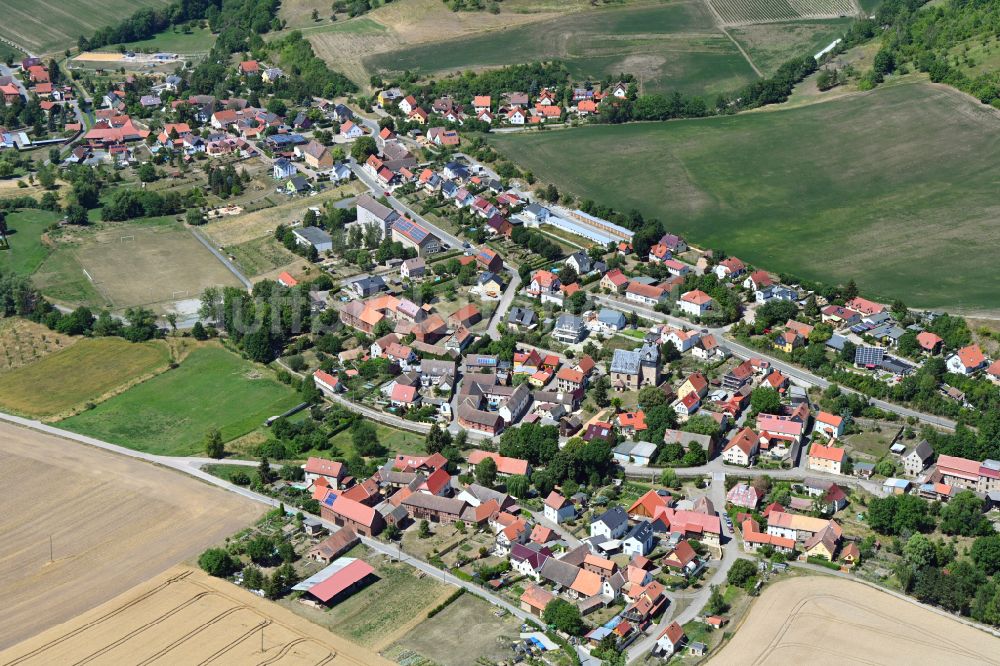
(613,422)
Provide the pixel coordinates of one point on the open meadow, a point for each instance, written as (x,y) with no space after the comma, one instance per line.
(826,620)
(482,635)
(170,414)
(146,262)
(48,26)
(185,616)
(84,372)
(668,46)
(113,521)
(770,45)
(886,187)
(27,250)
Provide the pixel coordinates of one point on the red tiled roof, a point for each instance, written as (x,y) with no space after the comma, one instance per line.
(504,464)
(353,573)
(324,467)
(826,452)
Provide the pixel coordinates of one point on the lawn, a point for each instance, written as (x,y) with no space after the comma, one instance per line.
(25,229)
(198,40)
(142,262)
(891,188)
(47,26)
(396,441)
(84,372)
(169,415)
(671,46)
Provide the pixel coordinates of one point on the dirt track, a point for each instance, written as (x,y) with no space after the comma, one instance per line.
(823,620)
(187,617)
(114,522)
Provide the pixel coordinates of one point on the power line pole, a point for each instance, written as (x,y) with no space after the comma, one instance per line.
(50,549)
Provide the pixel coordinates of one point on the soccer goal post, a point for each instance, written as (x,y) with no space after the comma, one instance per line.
(127,239)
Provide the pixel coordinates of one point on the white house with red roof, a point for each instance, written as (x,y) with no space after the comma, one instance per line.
(830,425)
(966,360)
(864,306)
(742,449)
(327,383)
(545,286)
(730,267)
(645,294)
(757,281)
(321,468)
(558,509)
(404,396)
(695,303)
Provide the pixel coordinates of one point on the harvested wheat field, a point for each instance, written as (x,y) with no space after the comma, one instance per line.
(185,616)
(114,523)
(824,620)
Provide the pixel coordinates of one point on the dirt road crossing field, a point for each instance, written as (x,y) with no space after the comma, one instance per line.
(114,522)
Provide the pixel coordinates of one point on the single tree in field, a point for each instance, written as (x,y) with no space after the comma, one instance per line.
(214,447)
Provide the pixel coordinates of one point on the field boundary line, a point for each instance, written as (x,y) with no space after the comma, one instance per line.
(741,50)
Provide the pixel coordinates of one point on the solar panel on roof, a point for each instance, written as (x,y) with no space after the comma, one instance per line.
(411,229)
(869,355)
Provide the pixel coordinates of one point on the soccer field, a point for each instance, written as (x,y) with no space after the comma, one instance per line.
(147,262)
(895,188)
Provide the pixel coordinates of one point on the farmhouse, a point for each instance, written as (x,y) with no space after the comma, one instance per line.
(695,303)
(505,466)
(329,470)
(346,512)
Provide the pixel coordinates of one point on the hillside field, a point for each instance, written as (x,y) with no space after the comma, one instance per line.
(83,372)
(114,522)
(170,414)
(47,26)
(895,188)
(672,46)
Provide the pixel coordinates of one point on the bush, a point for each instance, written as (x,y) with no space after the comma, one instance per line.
(447,602)
(823,563)
(239,478)
(217,562)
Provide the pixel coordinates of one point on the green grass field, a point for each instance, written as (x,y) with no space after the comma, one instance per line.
(895,188)
(261,255)
(26,252)
(771,44)
(396,441)
(672,46)
(170,414)
(47,26)
(81,373)
(199,40)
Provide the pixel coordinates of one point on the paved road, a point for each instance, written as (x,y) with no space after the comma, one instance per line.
(730,553)
(378,190)
(799,375)
(192,467)
(500,314)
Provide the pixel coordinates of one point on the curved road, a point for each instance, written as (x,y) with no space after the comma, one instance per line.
(192,467)
(798,374)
